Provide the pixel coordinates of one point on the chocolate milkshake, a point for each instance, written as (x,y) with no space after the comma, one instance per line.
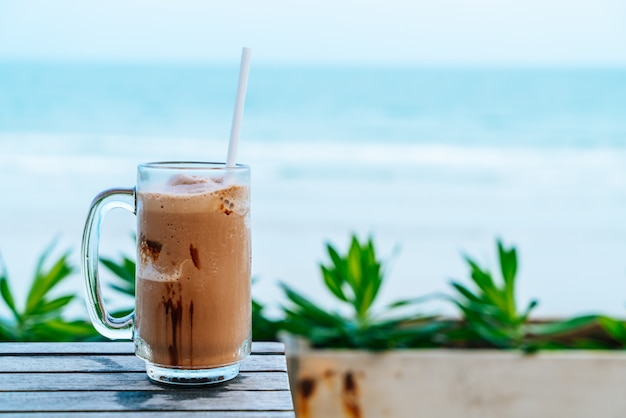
(193,278)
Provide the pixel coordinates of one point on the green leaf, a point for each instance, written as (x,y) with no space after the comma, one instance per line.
(338,262)
(125,270)
(404,336)
(309,309)
(615,328)
(333,283)
(8,296)
(508,263)
(484,281)
(354,276)
(7,331)
(402,303)
(122,289)
(508,266)
(496,336)
(465,292)
(532,305)
(372,276)
(44,255)
(485,309)
(45,281)
(359,270)
(60,330)
(55,305)
(562,327)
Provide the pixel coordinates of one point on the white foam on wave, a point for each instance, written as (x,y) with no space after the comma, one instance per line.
(86,154)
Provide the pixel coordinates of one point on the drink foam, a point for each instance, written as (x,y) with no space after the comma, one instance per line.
(184,193)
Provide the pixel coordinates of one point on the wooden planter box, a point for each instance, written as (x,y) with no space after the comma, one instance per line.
(455,383)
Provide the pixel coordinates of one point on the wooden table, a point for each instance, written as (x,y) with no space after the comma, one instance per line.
(106,379)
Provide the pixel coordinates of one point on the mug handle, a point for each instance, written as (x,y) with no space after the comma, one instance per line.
(107,325)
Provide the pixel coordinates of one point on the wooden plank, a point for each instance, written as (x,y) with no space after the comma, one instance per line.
(206,399)
(263,347)
(112,347)
(20,382)
(12,348)
(116,363)
(156,414)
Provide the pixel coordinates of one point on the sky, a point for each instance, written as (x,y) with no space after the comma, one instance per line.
(381,32)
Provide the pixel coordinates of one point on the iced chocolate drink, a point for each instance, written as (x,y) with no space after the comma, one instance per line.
(192,317)
(193,279)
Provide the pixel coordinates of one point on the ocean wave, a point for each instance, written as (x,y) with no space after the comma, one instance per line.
(319,153)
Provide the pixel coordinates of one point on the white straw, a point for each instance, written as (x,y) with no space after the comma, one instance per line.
(239,101)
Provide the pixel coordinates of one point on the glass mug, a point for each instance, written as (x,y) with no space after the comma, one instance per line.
(192,317)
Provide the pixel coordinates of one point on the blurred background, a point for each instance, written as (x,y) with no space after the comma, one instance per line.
(434,126)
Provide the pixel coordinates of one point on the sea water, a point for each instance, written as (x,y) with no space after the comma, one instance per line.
(434,164)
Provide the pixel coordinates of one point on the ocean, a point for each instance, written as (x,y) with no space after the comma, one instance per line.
(434,164)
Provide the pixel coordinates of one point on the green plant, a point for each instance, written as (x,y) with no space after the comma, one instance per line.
(491,316)
(263,328)
(40,317)
(354,279)
(615,328)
